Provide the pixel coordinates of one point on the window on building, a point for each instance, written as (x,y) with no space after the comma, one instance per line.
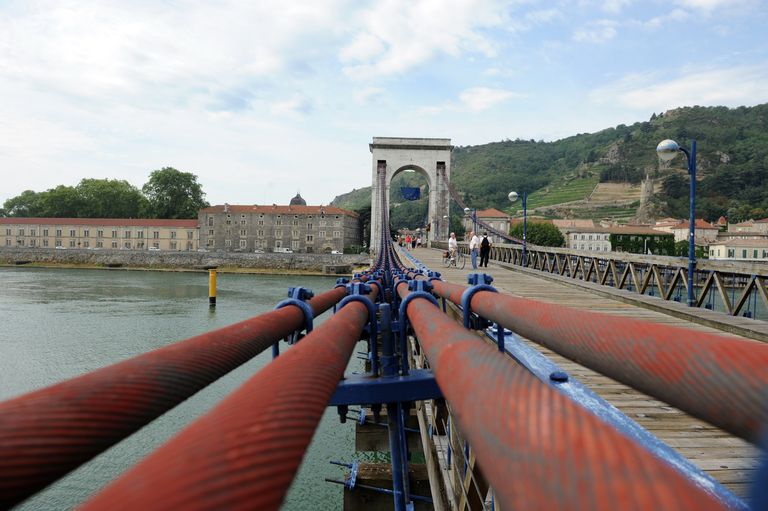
(260,222)
(260,233)
(45,242)
(173,245)
(227,243)
(139,244)
(730,252)
(86,244)
(295,234)
(58,233)
(32,232)
(99,233)
(7,242)
(321,223)
(243,232)
(127,244)
(227,231)
(209,243)
(140,235)
(71,243)
(321,234)
(279,233)
(337,234)
(242,222)
(114,234)
(189,245)
(127,235)
(744,253)
(173,235)
(8,232)
(20,242)
(309,226)
(190,235)
(295,223)
(45,232)
(295,245)
(243,243)
(755,254)
(58,243)
(590,236)
(72,233)
(210,221)
(156,235)
(310,238)
(86,233)
(100,244)
(278,221)
(32,243)
(582,236)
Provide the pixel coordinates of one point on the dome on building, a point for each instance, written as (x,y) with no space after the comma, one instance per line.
(298,201)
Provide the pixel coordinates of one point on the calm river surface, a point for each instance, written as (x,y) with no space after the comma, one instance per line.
(59,323)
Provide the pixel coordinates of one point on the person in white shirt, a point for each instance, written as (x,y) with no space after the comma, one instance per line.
(474,243)
(453,245)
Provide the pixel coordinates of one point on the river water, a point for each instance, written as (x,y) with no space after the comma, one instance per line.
(59,323)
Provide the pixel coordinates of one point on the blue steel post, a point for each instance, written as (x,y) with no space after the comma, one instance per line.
(692,232)
(389,370)
(525,223)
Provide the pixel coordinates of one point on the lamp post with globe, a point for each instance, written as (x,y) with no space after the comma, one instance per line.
(513,197)
(667,150)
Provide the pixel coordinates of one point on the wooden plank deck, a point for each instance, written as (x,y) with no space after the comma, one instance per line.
(729,459)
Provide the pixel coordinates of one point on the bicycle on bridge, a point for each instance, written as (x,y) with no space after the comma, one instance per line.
(455,259)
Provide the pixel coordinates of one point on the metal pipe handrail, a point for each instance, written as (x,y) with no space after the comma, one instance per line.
(719,379)
(46,433)
(560,454)
(245,452)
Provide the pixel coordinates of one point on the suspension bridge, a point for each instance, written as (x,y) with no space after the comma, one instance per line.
(502,391)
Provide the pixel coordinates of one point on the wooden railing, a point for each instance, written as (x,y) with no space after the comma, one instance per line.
(736,288)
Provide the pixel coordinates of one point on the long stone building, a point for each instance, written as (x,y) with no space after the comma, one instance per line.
(295,228)
(98,233)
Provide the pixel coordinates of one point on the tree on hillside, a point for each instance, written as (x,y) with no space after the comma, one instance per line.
(539,233)
(110,198)
(173,194)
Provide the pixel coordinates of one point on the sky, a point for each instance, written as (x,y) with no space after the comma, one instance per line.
(264,99)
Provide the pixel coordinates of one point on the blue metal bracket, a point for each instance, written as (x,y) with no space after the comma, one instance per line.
(358,389)
(373,333)
(298,295)
(380,294)
(478,282)
(419,289)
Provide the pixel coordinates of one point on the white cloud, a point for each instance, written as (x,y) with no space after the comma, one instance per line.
(398,35)
(483,98)
(597,32)
(367,95)
(711,5)
(736,86)
(295,107)
(473,100)
(615,6)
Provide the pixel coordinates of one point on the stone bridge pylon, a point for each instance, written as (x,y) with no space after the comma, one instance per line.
(431,157)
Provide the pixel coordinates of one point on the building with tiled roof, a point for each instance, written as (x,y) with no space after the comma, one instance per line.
(278,228)
(739,250)
(705,232)
(98,233)
(617,238)
(493,217)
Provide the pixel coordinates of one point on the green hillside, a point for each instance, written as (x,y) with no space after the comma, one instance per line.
(732,165)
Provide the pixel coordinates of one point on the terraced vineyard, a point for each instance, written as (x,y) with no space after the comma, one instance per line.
(566,190)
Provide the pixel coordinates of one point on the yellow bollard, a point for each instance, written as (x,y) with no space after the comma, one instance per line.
(212,288)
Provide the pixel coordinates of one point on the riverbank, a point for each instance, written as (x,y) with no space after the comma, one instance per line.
(228,262)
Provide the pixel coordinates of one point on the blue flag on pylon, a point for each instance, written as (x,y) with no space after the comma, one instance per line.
(410,193)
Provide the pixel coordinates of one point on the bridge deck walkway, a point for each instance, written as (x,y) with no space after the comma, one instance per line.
(730,460)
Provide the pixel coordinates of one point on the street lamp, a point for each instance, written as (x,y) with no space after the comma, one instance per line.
(474,217)
(667,150)
(513,197)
